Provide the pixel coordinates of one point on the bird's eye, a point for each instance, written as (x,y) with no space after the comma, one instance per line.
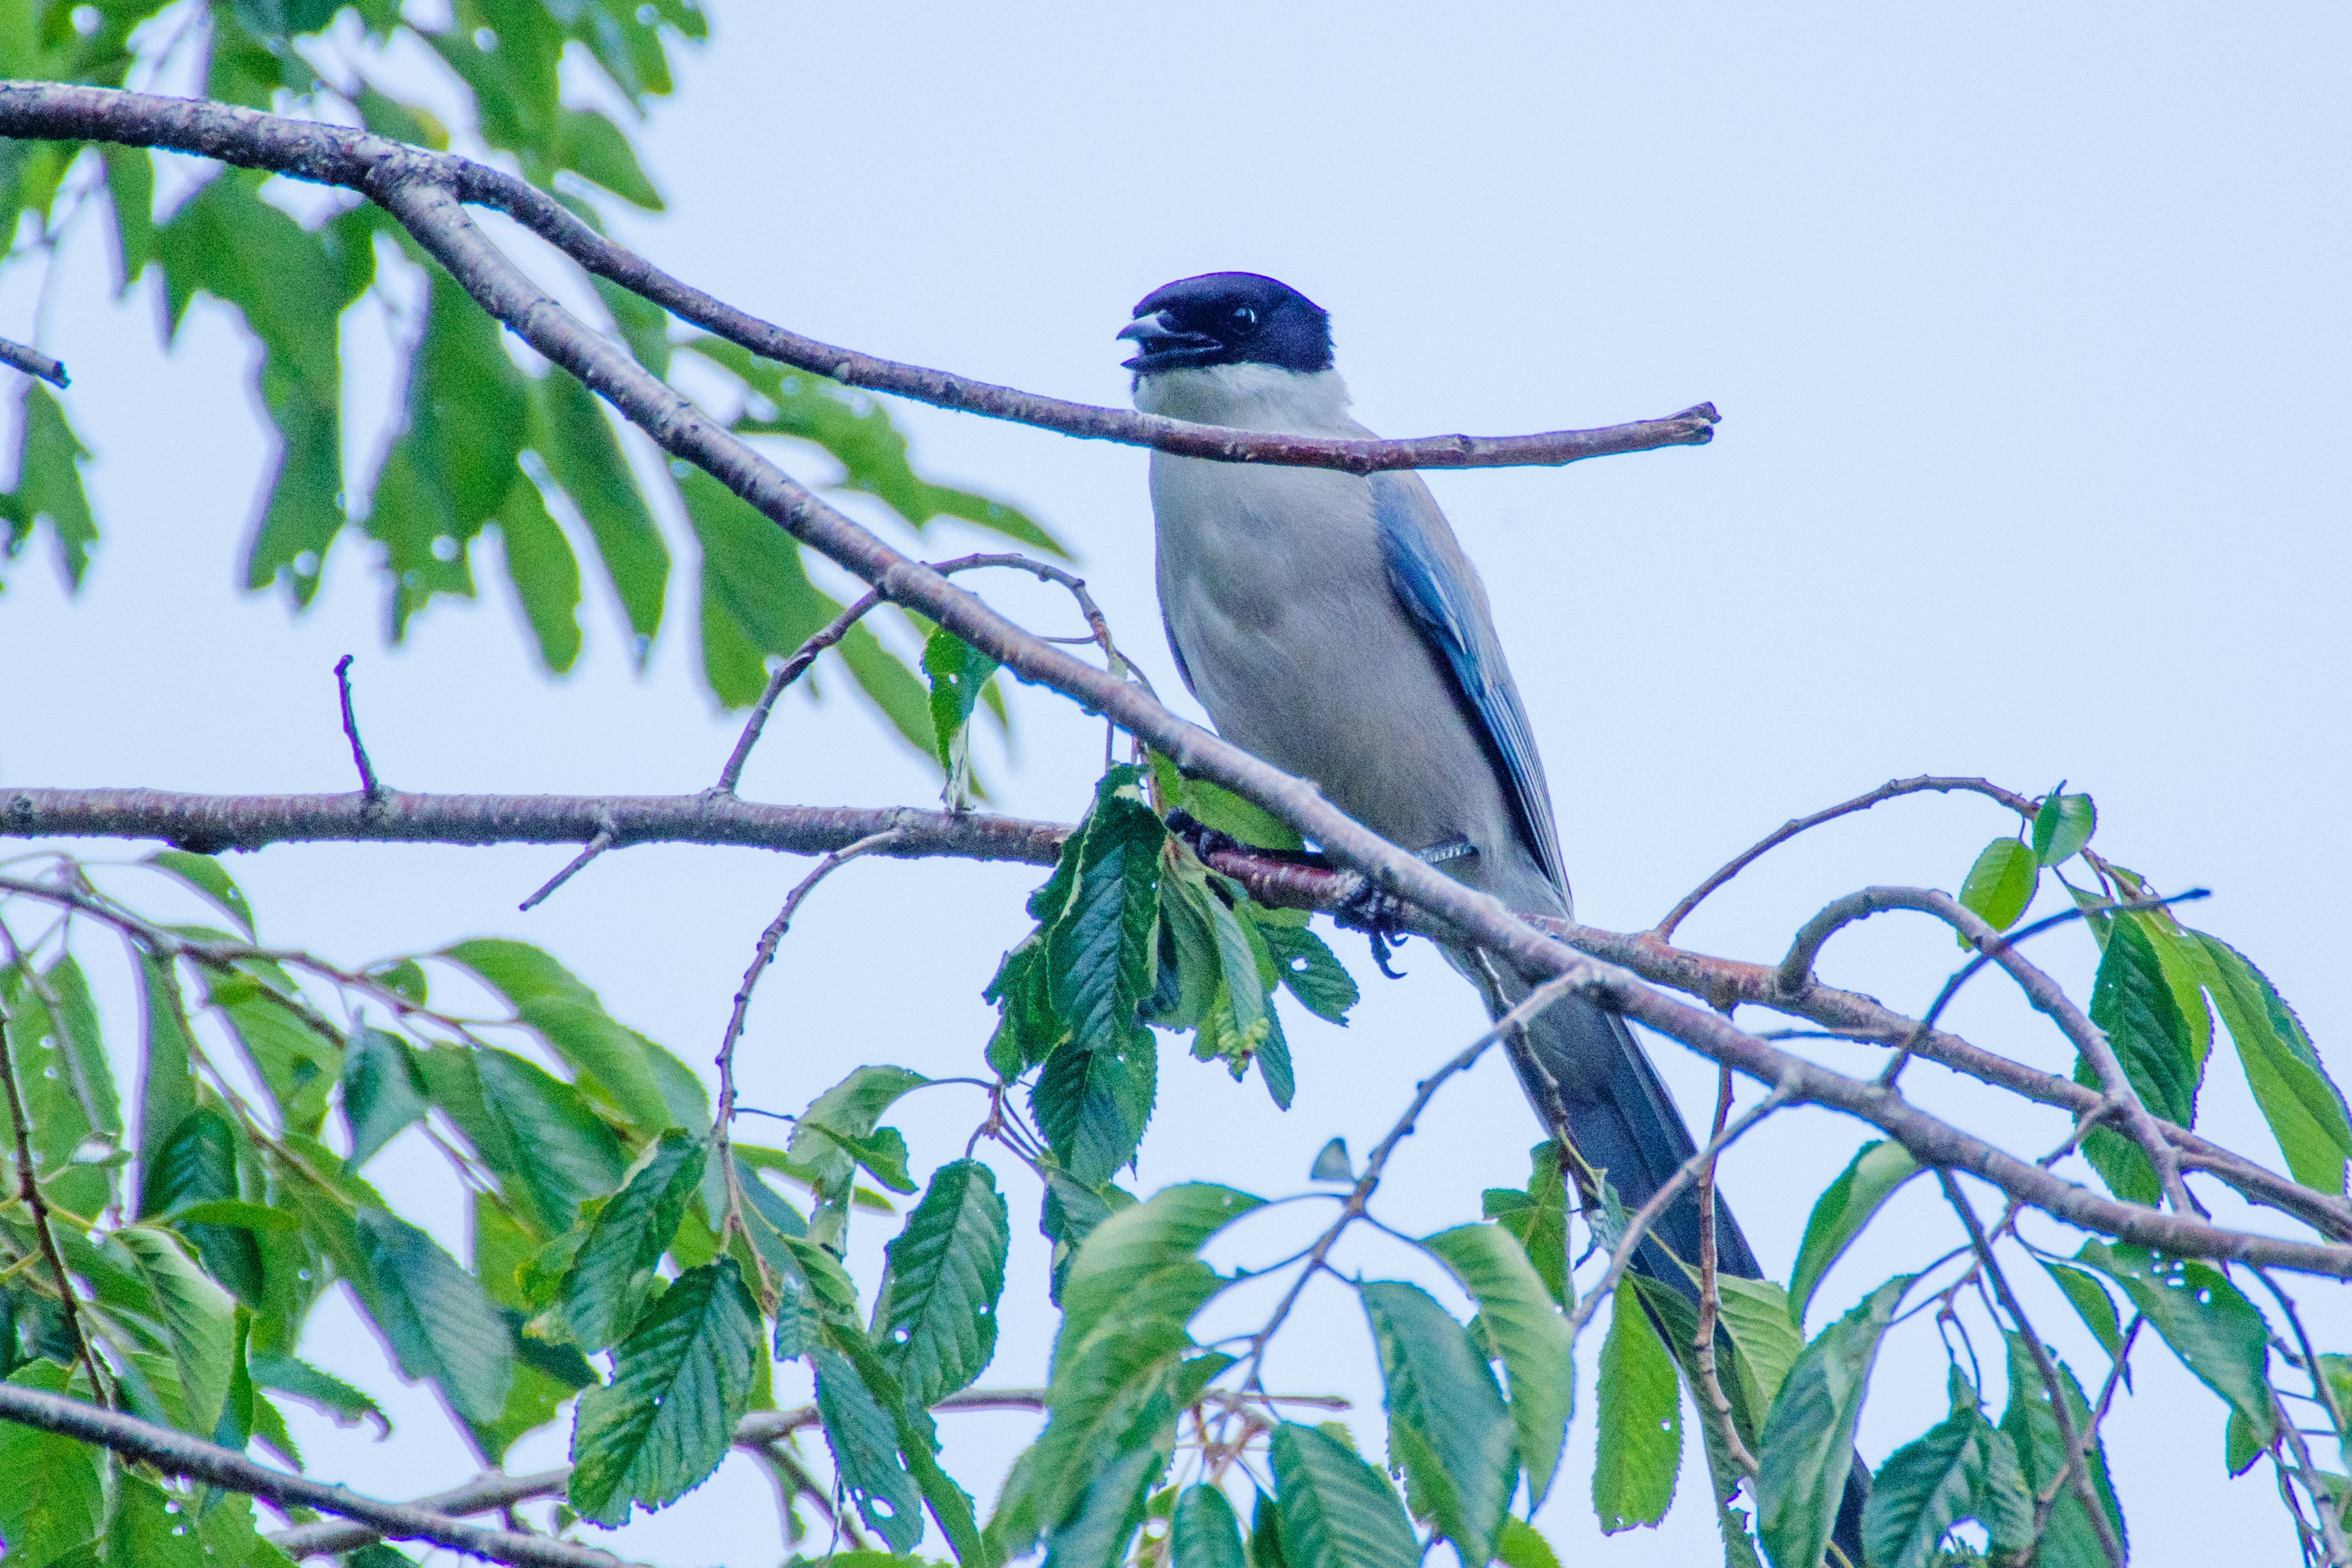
(1244,320)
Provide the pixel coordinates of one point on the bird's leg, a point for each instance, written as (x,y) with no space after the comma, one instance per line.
(1206,841)
(1381,915)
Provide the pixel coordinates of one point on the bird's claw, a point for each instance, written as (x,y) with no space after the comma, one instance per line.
(1380,916)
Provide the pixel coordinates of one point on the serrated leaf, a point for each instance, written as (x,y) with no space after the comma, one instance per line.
(1539,1356)
(2218,1334)
(2134,1002)
(561,1152)
(680,1381)
(1538,1218)
(1640,1450)
(48,486)
(1924,1488)
(198,1320)
(434,1315)
(1203,1532)
(611,1275)
(198,1166)
(1094,1105)
(603,1054)
(1520,1545)
(1808,1438)
(864,1439)
(2032,1427)
(2001,883)
(1839,1215)
(1763,1328)
(1218,808)
(959,673)
(2305,1110)
(935,1318)
(209,878)
(1310,971)
(54,1501)
(382,1095)
(1447,1423)
(1335,1510)
(2091,1303)
(1109,1509)
(2062,824)
(1101,946)
(322,1391)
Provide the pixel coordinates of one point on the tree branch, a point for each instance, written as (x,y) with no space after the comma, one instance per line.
(338,155)
(177,1454)
(33,361)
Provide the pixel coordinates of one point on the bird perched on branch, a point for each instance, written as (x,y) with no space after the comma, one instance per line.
(1332,625)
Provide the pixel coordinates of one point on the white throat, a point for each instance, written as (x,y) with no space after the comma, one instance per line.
(1250,397)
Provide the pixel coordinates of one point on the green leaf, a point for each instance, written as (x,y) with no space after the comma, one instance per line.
(935,1318)
(167,1085)
(680,1381)
(198,1320)
(54,1501)
(560,1153)
(1310,971)
(2305,1110)
(1809,1436)
(610,1277)
(2218,1334)
(864,1439)
(1218,808)
(572,437)
(543,571)
(1538,1218)
(2032,1426)
(1135,1248)
(2063,826)
(917,1446)
(617,1063)
(1447,1423)
(1763,1330)
(595,148)
(152,1528)
(1093,1105)
(434,1315)
(1205,1533)
(382,1096)
(2134,1002)
(2240,1447)
(198,1166)
(2001,883)
(1102,946)
(959,673)
(322,1391)
(1109,1509)
(830,1128)
(2091,1303)
(48,488)
(235,1212)
(1521,1546)
(210,879)
(1335,1510)
(1839,1215)
(1538,1357)
(1639,1453)
(1924,1488)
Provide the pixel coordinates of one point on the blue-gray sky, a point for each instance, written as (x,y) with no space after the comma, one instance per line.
(2029,331)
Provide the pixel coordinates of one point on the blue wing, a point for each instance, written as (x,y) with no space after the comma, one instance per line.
(1432,580)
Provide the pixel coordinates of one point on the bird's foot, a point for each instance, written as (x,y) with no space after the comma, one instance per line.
(1206,841)
(1381,916)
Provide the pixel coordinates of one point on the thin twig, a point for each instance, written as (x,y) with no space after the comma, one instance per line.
(371,790)
(1718,1405)
(2331,1522)
(1890,790)
(33,361)
(28,1188)
(606,835)
(831,632)
(2077,1471)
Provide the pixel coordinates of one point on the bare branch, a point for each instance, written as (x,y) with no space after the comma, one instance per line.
(606,835)
(1710,1302)
(496,1490)
(1890,790)
(791,669)
(371,788)
(34,363)
(177,1454)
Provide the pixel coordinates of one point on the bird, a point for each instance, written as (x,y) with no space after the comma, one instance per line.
(1332,625)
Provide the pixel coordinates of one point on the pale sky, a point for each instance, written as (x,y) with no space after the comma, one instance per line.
(2028,327)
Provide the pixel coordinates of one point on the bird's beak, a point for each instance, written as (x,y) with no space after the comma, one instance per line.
(1165,345)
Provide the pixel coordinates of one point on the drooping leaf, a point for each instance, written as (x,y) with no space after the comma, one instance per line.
(2133,1000)
(1764,1333)
(959,673)
(2030,1425)
(167,1085)
(1335,1510)
(917,1440)
(2001,883)
(382,1096)
(1101,946)
(605,1056)
(1925,1488)
(54,1501)
(1214,806)
(826,1137)
(610,1278)
(1639,1448)
(322,1391)
(197,1166)
(1109,1508)
(1447,1423)
(1521,1546)
(1808,1438)
(935,1318)
(1203,1532)
(542,570)
(152,1528)
(1310,971)
(680,1381)
(2218,1334)
(563,1154)
(572,437)
(1093,1105)
(198,1320)
(434,1315)
(1538,1218)
(2091,1303)
(208,878)
(1839,1215)
(2301,1102)
(49,488)
(1538,1357)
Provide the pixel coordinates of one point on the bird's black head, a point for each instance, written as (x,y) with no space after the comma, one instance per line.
(1229,317)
